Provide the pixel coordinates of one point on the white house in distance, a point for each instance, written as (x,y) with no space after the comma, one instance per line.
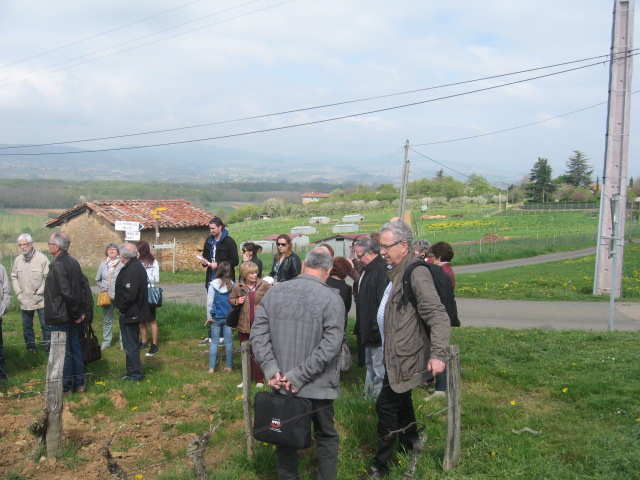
(346,228)
(316,220)
(341,244)
(311,197)
(305,229)
(298,240)
(352,218)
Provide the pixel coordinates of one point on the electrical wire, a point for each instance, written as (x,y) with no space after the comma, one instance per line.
(139,46)
(106,32)
(314,122)
(305,109)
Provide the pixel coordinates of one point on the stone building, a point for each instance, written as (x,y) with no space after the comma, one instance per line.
(91,225)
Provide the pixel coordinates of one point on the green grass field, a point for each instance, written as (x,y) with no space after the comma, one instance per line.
(577,389)
(565,280)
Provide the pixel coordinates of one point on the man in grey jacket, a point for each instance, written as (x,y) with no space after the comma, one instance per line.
(28,274)
(5,302)
(296,338)
(415,339)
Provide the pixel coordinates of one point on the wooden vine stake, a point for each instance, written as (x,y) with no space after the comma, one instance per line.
(452,447)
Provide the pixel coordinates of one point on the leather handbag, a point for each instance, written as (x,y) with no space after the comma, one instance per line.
(154,295)
(91,350)
(233,317)
(104,299)
(283,420)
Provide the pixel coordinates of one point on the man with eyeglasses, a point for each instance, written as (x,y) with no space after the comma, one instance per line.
(371,286)
(414,342)
(28,276)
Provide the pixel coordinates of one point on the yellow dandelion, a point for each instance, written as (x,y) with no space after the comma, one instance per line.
(100,383)
(133,409)
(138,476)
(565,390)
(513,402)
(493,454)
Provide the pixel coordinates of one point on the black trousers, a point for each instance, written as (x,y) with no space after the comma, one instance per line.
(327,441)
(395,411)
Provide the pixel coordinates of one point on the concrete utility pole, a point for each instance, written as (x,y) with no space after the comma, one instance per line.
(405,181)
(616,152)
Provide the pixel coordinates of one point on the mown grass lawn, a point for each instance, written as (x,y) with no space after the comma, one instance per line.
(564,280)
(578,389)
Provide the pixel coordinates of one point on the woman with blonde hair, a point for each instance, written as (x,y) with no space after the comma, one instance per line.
(286,264)
(248,292)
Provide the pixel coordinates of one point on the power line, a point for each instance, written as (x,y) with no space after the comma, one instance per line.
(106,32)
(304,109)
(142,45)
(314,122)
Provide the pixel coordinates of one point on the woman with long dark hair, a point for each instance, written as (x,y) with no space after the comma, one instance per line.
(286,264)
(153,277)
(250,253)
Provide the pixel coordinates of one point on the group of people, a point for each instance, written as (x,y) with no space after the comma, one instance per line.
(59,293)
(299,329)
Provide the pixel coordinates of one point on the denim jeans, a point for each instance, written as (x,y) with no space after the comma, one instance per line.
(374,361)
(3,368)
(27,329)
(131,345)
(327,442)
(218,325)
(73,370)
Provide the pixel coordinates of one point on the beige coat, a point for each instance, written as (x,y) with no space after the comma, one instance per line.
(244,325)
(28,280)
(407,346)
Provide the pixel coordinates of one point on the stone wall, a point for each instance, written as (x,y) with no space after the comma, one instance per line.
(90,234)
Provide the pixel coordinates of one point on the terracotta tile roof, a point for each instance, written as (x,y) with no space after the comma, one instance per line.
(312,194)
(179,213)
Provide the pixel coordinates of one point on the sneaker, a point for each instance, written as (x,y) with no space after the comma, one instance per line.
(79,390)
(228,369)
(211,370)
(144,346)
(259,385)
(152,351)
(205,342)
(123,377)
(221,341)
(241,385)
(436,394)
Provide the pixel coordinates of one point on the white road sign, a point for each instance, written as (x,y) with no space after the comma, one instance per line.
(130,235)
(159,247)
(123,225)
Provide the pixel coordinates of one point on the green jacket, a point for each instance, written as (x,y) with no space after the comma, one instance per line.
(407,344)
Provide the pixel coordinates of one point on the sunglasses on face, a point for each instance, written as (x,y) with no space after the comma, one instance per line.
(281,244)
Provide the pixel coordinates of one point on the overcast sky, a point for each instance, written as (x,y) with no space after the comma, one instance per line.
(73,70)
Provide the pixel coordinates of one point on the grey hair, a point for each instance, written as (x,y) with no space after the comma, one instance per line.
(421,246)
(111,245)
(25,236)
(128,250)
(62,240)
(318,259)
(367,244)
(401,231)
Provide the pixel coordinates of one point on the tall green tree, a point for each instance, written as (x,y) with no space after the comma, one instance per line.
(578,172)
(541,185)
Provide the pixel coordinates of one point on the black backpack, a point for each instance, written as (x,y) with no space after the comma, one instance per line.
(443,286)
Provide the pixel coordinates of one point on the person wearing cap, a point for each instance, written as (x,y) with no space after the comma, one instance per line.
(219,247)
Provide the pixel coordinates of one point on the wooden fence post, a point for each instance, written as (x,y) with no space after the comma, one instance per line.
(452,447)
(246,393)
(53,399)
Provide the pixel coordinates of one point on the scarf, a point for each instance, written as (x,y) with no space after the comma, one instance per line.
(399,269)
(29,255)
(111,265)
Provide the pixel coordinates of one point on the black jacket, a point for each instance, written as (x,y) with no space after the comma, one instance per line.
(371,288)
(289,268)
(131,292)
(226,251)
(63,298)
